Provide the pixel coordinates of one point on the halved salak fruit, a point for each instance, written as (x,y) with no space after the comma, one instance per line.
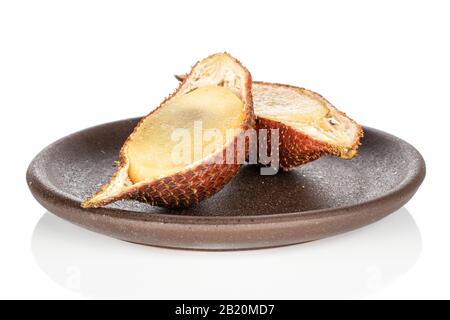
(168,160)
(309,126)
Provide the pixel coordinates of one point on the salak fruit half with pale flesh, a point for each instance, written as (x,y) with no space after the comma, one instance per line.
(309,126)
(215,95)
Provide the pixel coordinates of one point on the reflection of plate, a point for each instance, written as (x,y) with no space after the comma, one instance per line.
(323,198)
(349,265)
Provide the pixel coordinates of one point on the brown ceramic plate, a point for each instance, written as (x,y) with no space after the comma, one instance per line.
(321,199)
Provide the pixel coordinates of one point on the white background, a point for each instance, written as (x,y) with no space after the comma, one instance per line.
(68,65)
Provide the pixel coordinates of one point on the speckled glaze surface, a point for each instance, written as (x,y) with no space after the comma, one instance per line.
(321,199)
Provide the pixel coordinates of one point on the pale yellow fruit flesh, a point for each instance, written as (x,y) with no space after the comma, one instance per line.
(287,105)
(152,149)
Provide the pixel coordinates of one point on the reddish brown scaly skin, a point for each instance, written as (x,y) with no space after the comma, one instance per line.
(185,189)
(295,148)
(190,186)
